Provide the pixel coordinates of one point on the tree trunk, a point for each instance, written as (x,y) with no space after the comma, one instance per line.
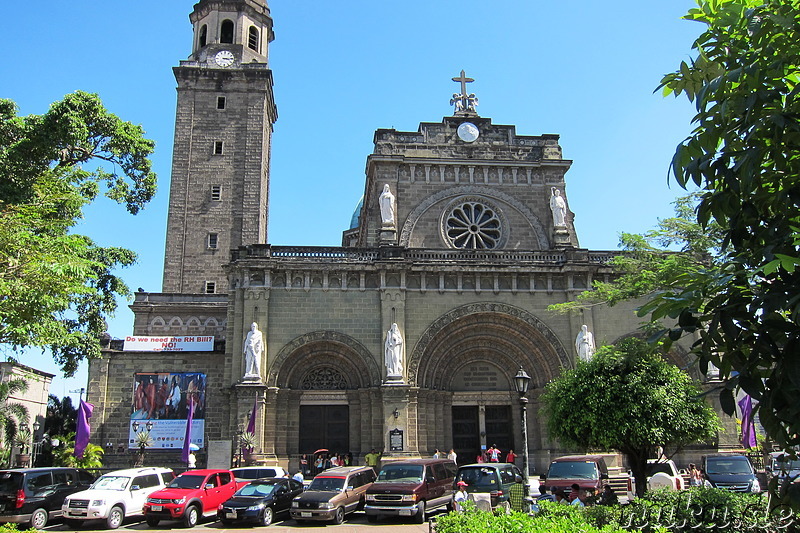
(637,459)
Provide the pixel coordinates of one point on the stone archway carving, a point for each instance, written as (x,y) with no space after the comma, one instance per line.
(504,332)
(473,190)
(343,354)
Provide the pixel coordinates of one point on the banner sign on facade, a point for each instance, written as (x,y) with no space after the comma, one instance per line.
(162,399)
(169,344)
(396,440)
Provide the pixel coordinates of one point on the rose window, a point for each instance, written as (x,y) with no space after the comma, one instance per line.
(473,226)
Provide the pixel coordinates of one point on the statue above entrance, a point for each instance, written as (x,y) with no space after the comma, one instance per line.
(253,346)
(394,354)
(584,343)
(559,208)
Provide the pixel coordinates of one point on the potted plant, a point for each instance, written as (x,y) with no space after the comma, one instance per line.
(248,443)
(23,440)
(142,441)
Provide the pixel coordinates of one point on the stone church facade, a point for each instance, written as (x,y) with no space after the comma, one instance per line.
(466,263)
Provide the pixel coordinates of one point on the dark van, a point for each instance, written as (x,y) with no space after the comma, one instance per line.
(588,471)
(411,488)
(731,472)
(494,479)
(33,496)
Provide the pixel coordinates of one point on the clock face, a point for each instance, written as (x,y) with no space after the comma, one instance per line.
(468,132)
(224,58)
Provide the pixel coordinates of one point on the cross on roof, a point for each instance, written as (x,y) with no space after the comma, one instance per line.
(464,81)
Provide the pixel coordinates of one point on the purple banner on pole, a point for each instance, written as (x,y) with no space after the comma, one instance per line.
(82,432)
(187,440)
(251,424)
(748,424)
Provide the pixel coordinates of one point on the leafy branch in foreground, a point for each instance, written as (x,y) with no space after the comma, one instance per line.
(58,287)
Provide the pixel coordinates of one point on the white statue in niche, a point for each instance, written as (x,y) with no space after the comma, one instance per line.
(253,346)
(584,343)
(394,353)
(386,202)
(559,208)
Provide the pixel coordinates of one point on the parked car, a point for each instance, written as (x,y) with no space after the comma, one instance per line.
(731,472)
(411,488)
(333,494)
(588,471)
(783,467)
(33,496)
(259,501)
(115,495)
(496,479)
(663,474)
(189,496)
(249,473)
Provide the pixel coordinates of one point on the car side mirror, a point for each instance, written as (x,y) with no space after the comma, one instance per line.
(135,487)
(209,486)
(349,487)
(430,479)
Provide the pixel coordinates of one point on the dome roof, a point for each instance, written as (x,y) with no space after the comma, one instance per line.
(356,214)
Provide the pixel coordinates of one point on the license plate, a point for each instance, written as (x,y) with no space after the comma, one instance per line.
(305,515)
(405,512)
(79,513)
(230,515)
(156,508)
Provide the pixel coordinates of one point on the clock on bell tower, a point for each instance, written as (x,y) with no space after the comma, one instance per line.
(219,190)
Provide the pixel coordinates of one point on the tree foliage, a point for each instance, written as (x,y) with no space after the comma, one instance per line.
(744,154)
(650,262)
(64,455)
(58,287)
(628,398)
(13,415)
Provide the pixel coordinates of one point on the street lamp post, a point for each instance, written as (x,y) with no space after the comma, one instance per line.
(521,382)
(142,439)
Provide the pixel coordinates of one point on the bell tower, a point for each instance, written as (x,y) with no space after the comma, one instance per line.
(219,190)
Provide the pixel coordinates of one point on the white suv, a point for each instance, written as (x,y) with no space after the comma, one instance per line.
(115,495)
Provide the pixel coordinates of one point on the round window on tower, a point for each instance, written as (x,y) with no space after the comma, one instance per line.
(473,223)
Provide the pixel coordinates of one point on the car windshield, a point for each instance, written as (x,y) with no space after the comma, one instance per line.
(327,484)
(736,465)
(109,482)
(785,464)
(258,490)
(573,470)
(187,482)
(664,468)
(402,473)
(478,477)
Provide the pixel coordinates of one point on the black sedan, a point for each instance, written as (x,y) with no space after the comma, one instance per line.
(260,501)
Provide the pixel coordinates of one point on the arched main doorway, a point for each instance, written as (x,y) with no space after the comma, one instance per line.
(465,364)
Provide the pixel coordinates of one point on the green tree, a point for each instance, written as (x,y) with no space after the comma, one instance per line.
(628,398)
(744,154)
(61,417)
(13,415)
(58,287)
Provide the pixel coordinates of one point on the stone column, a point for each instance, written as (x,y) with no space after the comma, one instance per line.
(244,396)
(400,406)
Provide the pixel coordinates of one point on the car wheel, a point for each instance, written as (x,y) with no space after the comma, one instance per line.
(191,516)
(372,518)
(152,522)
(115,517)
(39,519)
(419,518)
(338,518)
(266,518)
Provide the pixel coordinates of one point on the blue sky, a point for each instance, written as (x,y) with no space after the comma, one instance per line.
(580,68)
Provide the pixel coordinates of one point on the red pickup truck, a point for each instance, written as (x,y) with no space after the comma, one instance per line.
(189,496)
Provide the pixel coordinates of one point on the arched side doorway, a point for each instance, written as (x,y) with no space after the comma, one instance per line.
(321,385)
(465,362)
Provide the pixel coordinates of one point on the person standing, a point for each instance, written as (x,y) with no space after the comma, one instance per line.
(695,477)
(493,454)
(460,496)
(452,455)
(436,453)
(511,457)
(372,459)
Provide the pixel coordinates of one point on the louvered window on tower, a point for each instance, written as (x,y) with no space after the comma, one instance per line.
(221,102)
(218,147)
(213,240)
(252,40)
(203,35)
(226,32)
(216,193)
(211,287)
